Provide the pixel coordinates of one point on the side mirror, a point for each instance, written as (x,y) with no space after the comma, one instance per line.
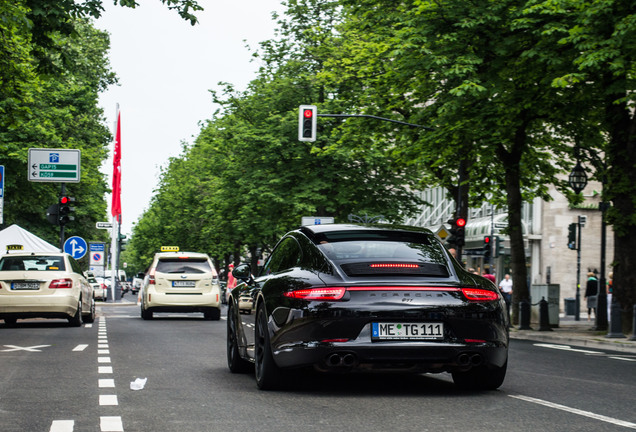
(243,272)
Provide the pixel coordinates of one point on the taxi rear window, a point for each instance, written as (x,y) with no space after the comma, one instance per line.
(183,265)
(32,263)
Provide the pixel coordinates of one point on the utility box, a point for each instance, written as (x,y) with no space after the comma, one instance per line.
(552,294)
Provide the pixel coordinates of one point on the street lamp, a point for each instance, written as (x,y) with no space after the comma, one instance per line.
(577,178)
(578,181)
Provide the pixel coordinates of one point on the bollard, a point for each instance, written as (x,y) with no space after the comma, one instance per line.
(524,315)
(616,324)
(633,338)
(544,317)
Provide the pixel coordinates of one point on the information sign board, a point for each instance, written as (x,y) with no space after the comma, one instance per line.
(54,165)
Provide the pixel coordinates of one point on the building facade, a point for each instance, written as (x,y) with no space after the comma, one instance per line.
(545,232)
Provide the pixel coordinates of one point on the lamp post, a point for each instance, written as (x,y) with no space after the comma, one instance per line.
(578,181)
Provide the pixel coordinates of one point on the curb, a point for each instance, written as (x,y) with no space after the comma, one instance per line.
(598,342)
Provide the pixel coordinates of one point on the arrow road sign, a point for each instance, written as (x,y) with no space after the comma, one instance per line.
(54,165)
(75,247)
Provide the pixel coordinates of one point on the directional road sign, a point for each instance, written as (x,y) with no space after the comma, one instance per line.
(75,247)
(54,165)
(104,225)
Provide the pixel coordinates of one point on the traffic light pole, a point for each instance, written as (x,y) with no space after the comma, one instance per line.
(62,193)
(577,307)
(376,118)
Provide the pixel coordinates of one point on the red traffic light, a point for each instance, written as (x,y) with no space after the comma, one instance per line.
(65,200)
(308,113)
(460,222)
(486,240)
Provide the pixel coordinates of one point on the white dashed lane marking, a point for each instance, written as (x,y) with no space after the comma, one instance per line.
(62,426)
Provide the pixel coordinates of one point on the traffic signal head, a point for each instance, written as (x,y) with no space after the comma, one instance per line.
(572,236)
(307,120)
(65,209)
(52,214)
(487,247)
(460,224)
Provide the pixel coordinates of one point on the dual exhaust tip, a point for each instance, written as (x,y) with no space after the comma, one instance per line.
(467,359)
(341,360)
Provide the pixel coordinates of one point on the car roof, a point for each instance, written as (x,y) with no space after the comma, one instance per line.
(325,228)
(160,255)
(35,254)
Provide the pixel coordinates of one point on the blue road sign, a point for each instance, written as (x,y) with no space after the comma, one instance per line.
(75,247)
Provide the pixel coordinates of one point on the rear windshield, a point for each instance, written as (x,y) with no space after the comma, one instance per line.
(40,263)
(383,253)
(184,265)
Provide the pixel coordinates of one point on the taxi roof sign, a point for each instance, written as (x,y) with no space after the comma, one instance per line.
(169,248)
(14,247)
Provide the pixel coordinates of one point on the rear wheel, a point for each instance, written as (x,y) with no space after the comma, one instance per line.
(235,362)
(212,314)
(145,314)
(90,316)
(268,374)
(76,320)
(481,378)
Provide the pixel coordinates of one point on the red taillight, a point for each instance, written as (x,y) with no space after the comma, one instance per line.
(151,277)
(394,265)
(478,294)
(61,283)
(317,294)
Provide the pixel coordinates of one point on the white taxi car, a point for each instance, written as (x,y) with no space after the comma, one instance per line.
(44,285)
(181,282)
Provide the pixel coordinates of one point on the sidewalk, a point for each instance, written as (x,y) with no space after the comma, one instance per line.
(579,333)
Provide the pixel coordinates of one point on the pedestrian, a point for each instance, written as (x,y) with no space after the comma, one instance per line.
(231,281)
(489,276)
(610,290)
(591,292)
(506,290)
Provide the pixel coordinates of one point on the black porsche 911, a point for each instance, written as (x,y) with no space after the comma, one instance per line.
(342,298)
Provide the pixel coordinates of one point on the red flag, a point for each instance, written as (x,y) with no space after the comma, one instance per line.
(116,204)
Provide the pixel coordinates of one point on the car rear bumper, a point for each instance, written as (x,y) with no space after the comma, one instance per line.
(415,356)
(46,306)
(195,302)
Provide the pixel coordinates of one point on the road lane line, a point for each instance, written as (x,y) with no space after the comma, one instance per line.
(103,359)
(111,424)
(108,400)
(576,411)
(80,347)
(105,369)
(106,383)
(62,426)
(623,358)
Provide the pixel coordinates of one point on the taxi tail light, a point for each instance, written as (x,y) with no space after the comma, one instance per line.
(317,294)
(151,277)
(479,294)
(61,283)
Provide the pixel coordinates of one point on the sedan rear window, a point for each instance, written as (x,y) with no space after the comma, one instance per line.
(384,252)
(183,265)
(32,263)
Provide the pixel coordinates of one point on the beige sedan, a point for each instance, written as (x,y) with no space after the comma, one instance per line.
(44,285)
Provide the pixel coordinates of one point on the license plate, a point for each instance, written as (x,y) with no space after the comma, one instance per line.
(410,331)
(184,284)
(25,285)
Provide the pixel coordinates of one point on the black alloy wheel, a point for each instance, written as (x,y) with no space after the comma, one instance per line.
(268,375)
(235,362)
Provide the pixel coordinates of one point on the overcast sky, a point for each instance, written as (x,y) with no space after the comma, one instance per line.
(166,68)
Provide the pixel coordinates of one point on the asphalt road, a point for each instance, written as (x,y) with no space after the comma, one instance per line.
(58,378)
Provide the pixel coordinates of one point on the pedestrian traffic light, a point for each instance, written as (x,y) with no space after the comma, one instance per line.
(460,224)
(572,236)
(65,210)
(307,117)
(487,248)
(52,214)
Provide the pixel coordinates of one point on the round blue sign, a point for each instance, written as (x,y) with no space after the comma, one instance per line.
(75,247)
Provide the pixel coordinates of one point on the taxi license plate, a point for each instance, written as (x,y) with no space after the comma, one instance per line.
(25,286)
(184,284)
(409,331)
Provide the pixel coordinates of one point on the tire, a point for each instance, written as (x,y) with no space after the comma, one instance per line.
(145,314)
(212,314)
(268,374)
(235,362)
(481,378)
(76,320)
(90,317)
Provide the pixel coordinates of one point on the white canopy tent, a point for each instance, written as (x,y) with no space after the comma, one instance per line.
(14,235)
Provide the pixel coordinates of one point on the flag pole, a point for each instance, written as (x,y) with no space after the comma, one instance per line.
(116,210)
